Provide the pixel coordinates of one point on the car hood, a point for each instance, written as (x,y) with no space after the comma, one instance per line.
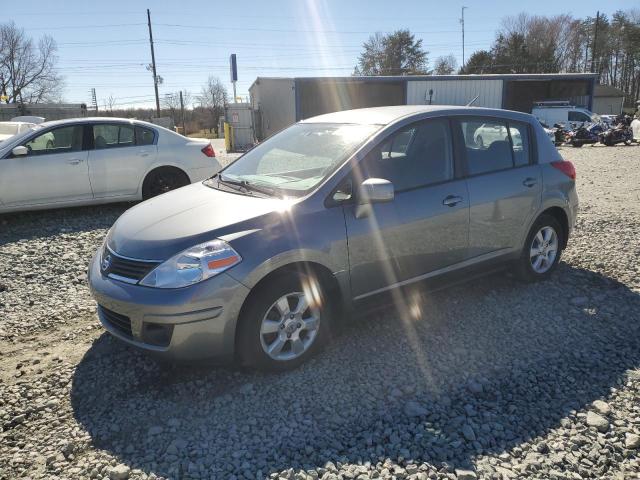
(160,227)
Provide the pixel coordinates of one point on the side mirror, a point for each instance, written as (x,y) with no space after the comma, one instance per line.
(373,190)
(20,151)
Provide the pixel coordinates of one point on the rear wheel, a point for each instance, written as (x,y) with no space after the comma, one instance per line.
(163,180)
(576,144)
(542,250)
(284,323)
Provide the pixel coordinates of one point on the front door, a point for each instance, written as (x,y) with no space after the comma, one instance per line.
(504,185)
(54,170)
(425,227)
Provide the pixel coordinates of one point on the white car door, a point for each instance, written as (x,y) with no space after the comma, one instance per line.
(53,171)
(118,161)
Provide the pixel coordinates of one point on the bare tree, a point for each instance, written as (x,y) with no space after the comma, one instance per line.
(213,97)
(445,65)
(27,68)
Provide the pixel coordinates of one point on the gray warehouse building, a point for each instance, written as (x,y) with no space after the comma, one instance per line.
(279,102)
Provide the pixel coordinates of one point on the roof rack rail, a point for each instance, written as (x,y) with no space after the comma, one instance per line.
(553,103)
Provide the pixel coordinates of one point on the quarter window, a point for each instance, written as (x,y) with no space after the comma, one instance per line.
(415,156)
(110,136)
(487,146)
(58,140)
(520,143)
(144,136)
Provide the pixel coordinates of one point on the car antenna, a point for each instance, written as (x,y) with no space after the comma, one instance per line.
(471,102)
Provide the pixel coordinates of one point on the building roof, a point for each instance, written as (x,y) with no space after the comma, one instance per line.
(395,78)
(387,115)
(607,91)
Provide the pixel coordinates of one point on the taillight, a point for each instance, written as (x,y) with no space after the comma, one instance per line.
(208,151)
(565,167)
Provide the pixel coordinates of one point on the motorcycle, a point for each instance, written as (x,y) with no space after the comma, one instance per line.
(621,133)
(561,133)
(585,134)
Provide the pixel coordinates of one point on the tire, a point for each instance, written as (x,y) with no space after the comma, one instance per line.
(162,180)
(266,321)
(576,144)
(525,268)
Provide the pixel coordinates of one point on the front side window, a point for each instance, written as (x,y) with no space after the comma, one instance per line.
(488,147)
(297,159)
(416,156)
(58,140)
(110,136)
(578,117)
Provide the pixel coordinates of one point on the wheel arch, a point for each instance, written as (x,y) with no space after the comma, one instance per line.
(156,167)
(563,219)
(327,280)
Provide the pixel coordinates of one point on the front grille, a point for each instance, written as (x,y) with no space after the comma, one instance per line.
(127,267)
(121,323)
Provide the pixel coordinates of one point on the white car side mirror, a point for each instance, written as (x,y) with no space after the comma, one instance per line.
(20,151)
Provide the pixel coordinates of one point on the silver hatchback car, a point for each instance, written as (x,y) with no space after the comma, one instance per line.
(255,262)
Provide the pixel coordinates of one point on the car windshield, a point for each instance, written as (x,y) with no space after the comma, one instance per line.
(595,118)
(296,160)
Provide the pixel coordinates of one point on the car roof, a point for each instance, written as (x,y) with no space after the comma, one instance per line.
(70,121)
(391,114)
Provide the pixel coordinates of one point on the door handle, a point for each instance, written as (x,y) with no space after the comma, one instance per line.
(451,200)
(529,182)
(75,161)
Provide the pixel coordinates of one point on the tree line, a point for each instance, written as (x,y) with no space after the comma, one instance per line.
(526,44)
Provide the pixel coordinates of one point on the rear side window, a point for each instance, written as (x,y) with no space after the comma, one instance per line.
(111,136)
(488,147)
(144,136)
(416,156)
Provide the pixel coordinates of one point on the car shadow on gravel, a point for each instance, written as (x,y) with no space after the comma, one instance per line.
(480,368)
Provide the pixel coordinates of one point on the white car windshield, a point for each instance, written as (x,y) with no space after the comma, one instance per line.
(297,159)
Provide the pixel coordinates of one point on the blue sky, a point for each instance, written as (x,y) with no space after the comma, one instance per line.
(105,44)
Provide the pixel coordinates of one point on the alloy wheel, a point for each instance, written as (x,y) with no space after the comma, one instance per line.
(289,327)
(544,249)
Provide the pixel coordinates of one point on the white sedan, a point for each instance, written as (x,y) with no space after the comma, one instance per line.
(10,129)
(97,160)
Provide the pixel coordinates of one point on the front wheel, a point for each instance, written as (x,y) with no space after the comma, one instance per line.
(284,323)
(541,251)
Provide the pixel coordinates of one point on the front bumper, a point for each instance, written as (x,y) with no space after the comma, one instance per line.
(189,323)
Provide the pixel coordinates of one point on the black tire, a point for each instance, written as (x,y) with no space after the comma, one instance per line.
(576,144)
(162,180)
(249,343)
(524,268)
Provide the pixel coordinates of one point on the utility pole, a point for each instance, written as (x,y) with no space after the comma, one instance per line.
(595,40)
(184,132)
(153,64)
(462,23)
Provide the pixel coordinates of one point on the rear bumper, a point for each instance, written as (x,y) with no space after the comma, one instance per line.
(190,323)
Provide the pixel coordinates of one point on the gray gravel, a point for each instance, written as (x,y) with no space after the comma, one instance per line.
(491,379)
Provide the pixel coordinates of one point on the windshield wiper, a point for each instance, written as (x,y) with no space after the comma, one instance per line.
(246,186)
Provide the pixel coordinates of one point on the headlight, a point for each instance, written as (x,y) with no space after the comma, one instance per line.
(193,265)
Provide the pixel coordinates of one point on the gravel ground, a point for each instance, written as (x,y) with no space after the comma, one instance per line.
(491,379)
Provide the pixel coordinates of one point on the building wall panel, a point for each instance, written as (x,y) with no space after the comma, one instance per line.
(455,92)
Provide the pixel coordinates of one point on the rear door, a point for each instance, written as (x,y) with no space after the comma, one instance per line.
(504,185)
(425,227)
(121,155)
(54,170)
